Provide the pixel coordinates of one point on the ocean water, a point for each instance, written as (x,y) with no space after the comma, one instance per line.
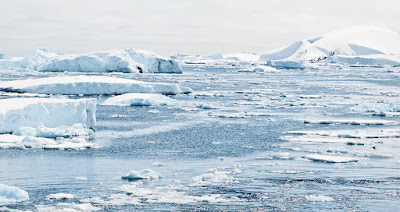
(243,141)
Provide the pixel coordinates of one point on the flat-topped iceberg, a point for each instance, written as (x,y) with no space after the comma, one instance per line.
(120,60)
(90,85)
(33,112)
(12,195)
(357,46)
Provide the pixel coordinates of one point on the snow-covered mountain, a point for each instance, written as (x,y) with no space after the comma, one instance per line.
(366,46)
(120,60)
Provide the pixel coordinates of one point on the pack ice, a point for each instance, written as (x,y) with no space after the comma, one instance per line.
(357,46)
(90,85)
(120,60)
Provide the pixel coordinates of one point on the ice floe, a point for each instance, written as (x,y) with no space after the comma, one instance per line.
(319,198)
(140,99)
(216,177)
(59,196)
(144,174)
(90,85)
(121,60)
(12,195)
(350,121)
(330,158)
(70,207)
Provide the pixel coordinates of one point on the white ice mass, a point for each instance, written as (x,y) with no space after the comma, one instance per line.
(140,99)
(90,85)
(357,46)
(122,60)
(12,195)
(38,113)
(146,174)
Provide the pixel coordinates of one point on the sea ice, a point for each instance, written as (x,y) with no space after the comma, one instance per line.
(319,198)
(59,196)
(140,99)
(12,195)
(330,158)
(90,85)
(146,174)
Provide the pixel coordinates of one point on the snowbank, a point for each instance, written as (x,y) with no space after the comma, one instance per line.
(12,195)
(140,99)
(357,46)
(122,60)
(38,113)
(90,85)
(146,174)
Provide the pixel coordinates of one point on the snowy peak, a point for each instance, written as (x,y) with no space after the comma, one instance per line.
(361,42)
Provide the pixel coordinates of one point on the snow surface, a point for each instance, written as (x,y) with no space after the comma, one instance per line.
(121,60)
(90,85)
(41,114)
(146,174)
(12,195)
(359,46)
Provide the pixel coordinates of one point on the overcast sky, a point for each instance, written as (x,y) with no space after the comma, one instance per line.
(168,27)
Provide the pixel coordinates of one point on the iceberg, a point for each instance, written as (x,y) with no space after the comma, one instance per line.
(38,113)
(357,46)
(120,60)
(90,85)
(12,195)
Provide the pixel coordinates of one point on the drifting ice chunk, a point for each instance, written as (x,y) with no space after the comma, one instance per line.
(330,159)
(147,174)
(60,196)
(140,99)
(12,195)
(216,177)
(33,112)
(90,85)
(319,198)
(266,69)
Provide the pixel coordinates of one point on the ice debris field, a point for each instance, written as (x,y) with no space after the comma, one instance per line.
(309,127)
